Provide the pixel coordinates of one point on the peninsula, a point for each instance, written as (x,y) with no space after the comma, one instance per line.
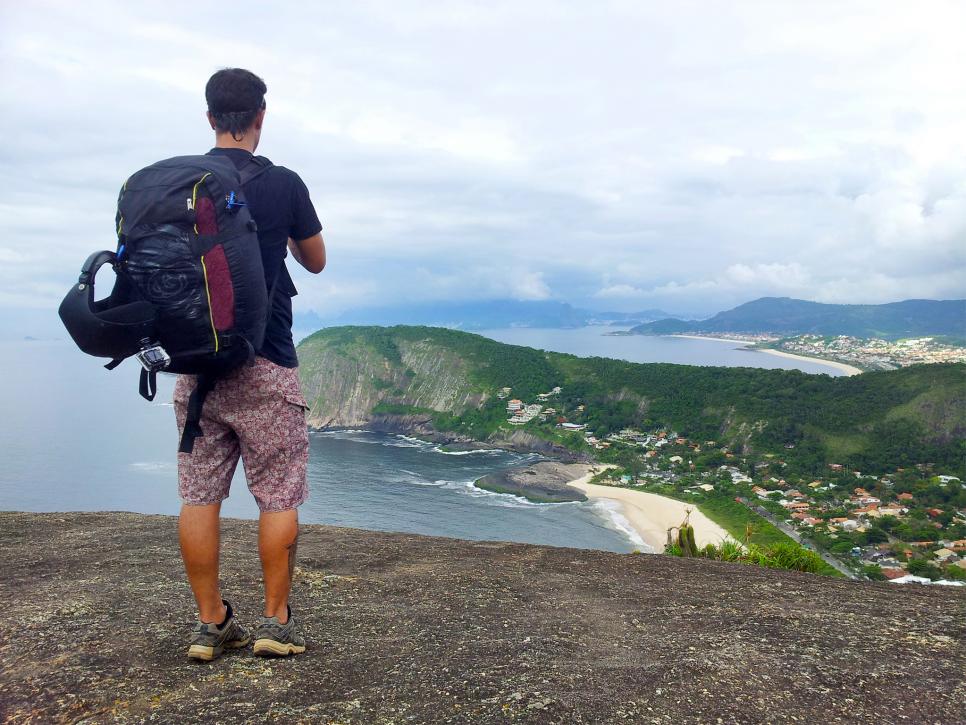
(544,482)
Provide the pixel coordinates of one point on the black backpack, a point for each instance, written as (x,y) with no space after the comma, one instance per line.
(190,294)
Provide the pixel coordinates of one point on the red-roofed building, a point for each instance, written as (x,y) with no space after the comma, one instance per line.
(893,573)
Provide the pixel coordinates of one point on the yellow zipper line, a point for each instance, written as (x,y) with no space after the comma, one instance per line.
(194,196)
(211,315)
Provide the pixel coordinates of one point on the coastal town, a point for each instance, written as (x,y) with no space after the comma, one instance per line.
(873,354)
(907,525)
(866,354)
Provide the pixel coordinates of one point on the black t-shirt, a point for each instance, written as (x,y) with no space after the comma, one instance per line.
(280,205)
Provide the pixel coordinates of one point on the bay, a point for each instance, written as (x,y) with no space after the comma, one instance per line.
(595,341)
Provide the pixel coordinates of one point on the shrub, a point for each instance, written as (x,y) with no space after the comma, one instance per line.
(793,556)
(955,573)
(777,556)
(730,550)
(874,572)
(921,567)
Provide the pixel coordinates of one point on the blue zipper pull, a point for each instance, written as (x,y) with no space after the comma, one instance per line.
(232,202)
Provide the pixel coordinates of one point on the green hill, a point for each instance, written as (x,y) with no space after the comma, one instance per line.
(446,382)
(785,316)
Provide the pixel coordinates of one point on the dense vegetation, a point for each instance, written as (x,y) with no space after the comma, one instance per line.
(910,318)
(873,422)
(802,416)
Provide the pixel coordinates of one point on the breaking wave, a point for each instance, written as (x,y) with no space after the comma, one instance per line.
(610,511)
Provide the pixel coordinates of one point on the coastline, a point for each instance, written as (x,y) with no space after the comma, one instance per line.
(713,339)
(651,515)
(845,368)
(542,482)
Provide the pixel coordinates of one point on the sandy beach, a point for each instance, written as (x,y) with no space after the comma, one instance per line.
(844,367)
(715,339)
(651,515)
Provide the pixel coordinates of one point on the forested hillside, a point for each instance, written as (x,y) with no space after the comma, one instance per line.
(786,316)
(874,421)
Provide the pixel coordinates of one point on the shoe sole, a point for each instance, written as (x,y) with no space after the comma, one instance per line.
(207,654)
(270,648)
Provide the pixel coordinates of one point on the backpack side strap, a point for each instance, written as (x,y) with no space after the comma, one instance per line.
(148,385)
(192,423)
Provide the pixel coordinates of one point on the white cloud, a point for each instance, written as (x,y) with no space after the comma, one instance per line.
(529,286)
(629,154)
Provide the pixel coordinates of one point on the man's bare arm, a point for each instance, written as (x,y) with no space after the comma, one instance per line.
(310,253)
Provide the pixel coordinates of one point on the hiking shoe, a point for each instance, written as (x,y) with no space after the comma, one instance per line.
(209,640)
(274,639)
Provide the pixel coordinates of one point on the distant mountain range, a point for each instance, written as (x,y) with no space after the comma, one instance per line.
(483,315)
(786,316)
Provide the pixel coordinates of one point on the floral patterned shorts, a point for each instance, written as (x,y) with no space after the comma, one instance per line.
(256,413)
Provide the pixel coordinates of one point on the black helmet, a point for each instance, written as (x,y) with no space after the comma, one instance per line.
(107,328)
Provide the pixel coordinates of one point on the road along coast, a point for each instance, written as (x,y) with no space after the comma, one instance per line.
(652,515)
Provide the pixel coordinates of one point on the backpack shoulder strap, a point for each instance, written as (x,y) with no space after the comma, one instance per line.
(253,168)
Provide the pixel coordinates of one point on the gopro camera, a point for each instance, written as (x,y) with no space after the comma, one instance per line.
(153,358)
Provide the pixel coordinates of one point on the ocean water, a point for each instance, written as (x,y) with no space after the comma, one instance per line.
(593,341)
(74,436)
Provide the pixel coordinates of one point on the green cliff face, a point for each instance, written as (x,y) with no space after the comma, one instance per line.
(438,381)
(349,373)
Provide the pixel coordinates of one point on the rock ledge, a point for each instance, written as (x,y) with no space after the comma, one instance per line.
(94,614)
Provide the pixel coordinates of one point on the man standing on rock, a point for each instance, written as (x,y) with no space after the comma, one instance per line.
(256,413)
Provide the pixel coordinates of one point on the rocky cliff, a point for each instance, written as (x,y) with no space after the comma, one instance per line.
(345,379)
(95,613)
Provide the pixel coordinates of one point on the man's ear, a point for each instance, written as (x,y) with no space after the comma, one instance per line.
(259,119)
(211,120)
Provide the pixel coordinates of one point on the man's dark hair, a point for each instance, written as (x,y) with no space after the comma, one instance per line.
(235,96)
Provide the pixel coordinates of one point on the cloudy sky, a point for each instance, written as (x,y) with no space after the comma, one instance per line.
(617,155)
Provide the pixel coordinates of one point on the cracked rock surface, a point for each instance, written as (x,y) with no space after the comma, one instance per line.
(95,615)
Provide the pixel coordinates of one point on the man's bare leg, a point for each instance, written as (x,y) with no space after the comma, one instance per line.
(278,535)
(199,533)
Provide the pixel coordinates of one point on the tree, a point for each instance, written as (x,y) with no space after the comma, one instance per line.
(875,535)
(921,567)
(874,572)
